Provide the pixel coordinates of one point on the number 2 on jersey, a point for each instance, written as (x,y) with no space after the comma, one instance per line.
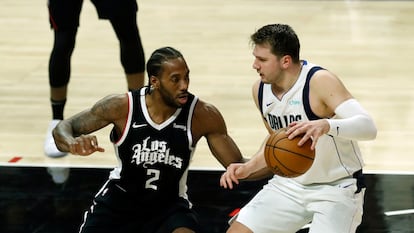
(153,175)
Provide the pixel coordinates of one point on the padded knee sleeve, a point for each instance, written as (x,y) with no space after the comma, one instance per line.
(132,57)
(60,58)
(131,50)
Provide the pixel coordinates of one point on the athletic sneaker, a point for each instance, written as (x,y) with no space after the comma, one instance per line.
(50,147)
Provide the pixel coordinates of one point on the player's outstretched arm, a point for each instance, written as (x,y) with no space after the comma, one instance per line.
(208,122)
(253,169)
(73,135)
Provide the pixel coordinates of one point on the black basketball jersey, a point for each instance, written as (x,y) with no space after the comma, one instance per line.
(154,158)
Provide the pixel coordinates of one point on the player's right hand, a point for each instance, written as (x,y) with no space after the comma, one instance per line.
(231,175)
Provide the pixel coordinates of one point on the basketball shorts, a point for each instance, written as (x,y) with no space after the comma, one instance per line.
(115,210)
(108,9)
(66,13)
(283,205)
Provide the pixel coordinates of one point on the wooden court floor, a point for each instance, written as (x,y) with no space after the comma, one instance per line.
(368,44)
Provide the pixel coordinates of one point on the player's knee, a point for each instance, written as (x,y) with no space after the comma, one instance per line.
(65,41)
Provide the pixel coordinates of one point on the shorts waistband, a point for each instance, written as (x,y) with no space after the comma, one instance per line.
(359,176)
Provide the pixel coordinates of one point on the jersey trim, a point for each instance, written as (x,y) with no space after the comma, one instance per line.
(305,95)
(189,122)
(260,94)
(128,120)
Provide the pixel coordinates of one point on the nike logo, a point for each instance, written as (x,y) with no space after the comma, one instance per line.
(136,126)
(268,104)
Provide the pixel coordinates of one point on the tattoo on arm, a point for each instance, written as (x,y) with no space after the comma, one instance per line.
(101,114)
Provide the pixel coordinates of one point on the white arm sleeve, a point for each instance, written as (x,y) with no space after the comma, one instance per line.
(352,121)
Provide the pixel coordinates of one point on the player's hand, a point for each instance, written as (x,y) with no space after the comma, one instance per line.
(230,176)
(84,145)
(311,130)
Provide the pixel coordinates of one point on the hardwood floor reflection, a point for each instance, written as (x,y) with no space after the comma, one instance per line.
(44,207)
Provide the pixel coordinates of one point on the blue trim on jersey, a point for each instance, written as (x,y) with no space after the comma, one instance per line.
(305,96)
(260,94)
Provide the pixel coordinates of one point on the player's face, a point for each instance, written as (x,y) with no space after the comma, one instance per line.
(174,82)
(267,65)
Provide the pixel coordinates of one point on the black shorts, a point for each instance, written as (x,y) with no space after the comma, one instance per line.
(65,13)
(108,9)
(115,210)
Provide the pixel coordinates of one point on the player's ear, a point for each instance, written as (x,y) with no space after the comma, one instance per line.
(286,61)
(153,80)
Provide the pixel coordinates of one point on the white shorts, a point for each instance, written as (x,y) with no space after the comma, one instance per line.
(283,205)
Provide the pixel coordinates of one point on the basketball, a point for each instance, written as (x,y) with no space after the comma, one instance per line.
(285,158)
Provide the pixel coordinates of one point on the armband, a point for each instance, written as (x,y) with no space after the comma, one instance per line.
(352,121)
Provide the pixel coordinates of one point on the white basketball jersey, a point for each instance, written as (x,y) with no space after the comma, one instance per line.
(335,157)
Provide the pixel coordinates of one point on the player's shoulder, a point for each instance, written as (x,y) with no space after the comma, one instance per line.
(324,76)
(206,119)
(114,99)
(205,108)
(117,98)
(206,114)
(113,102)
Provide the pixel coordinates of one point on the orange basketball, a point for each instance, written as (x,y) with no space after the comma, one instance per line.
(285,158)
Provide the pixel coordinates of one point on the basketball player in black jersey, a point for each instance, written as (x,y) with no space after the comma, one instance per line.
(155,132)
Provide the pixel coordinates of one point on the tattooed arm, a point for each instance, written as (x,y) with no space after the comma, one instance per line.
(73,134)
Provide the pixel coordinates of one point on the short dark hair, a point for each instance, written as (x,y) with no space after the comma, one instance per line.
(281,38)
(154,64)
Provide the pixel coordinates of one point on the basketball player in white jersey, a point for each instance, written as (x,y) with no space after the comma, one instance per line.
(309,100)
(155,133)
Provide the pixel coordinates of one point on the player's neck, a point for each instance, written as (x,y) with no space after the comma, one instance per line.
(158,110)
(287,81)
